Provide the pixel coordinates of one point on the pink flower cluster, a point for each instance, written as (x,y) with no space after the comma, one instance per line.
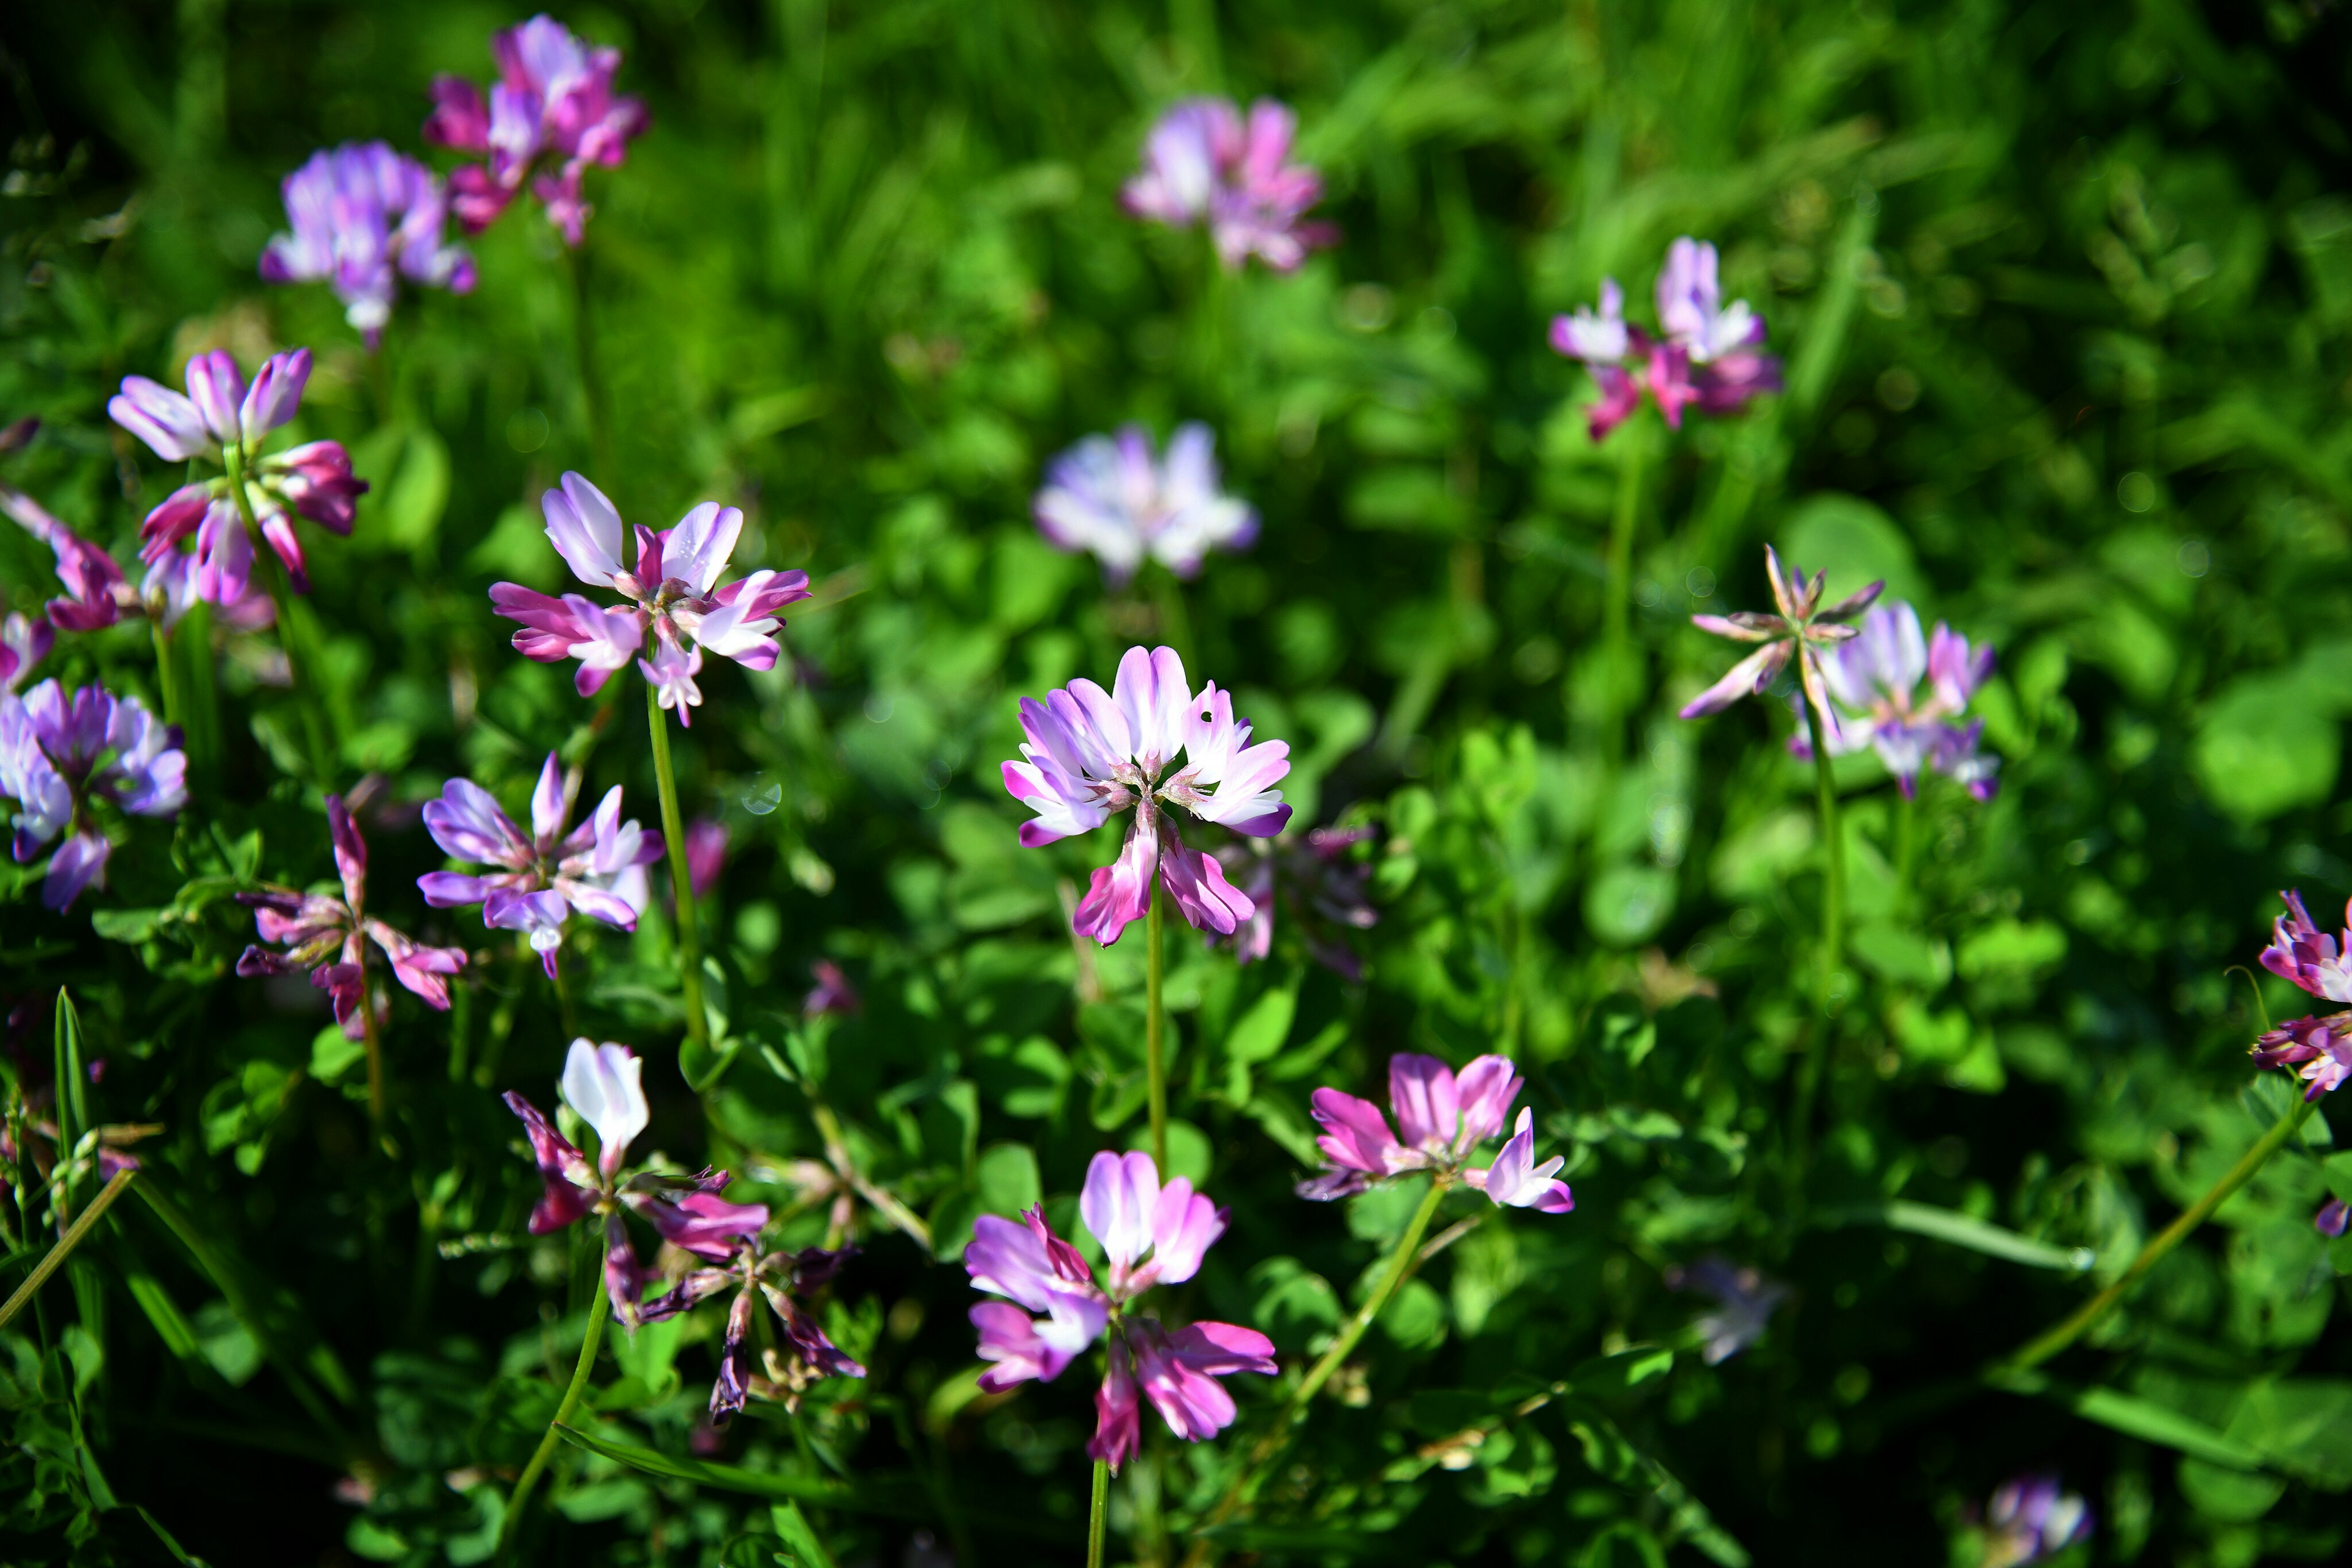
(1204,165)
(60,756)
(1704,352)
(1440,1119)
(2319,1047)
(360,219)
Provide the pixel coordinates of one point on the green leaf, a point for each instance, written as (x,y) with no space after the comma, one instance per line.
(2265,747)
(2135,1417)
(800,1539)
(893,1496)
(1963,1230)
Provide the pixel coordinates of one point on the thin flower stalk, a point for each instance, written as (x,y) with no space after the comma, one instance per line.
(681,876)
(600,1310)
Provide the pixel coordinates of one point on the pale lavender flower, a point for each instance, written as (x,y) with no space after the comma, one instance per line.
(1150,1235)
(2319,1046)
(59,756)
(673,591)
(221,419)
(806,1356)
(2334,1218)
(597,869)
(2033,1518)
(1876,679)
(1091,755)
(1441,1119)
(361,217)
(1111,497)
(1748,1298)
(1802,625)
(1317,880)
(24,641)
(1202,166)
(328,936)
(1705,352)
(603,1086)
(552,113)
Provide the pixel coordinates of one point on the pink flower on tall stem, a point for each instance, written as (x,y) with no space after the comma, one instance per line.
(328,936)
(552,113)
(1202,166)
(1092,754)
(1441,1119)
(603,1086)
(1150,1235)
(673,592)
(1705,352)
(2318,1047)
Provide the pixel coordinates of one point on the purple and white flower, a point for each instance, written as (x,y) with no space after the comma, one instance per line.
(223,421)
(2334,1218)
(1150,1235)
(98,595)
(361,217)
(603,1086)
(2033,1518)
(328,936)
(1202,166)
(1875,678)
(552,113)
(2319,1047)
(1748,1301)
(59,756)
(673,590)
(1801,628)
(24,641)
(1705,352)
(1109,497)
(806,1356)
(597,869)
(1091,755)
(1441,1119)
(1317,879)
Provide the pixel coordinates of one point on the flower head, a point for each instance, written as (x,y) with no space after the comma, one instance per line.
(1748,1298)
(1202,165)
(2031,1518)
(1317,880)
(1441,1119)
(59,756)
(1802,628)
(597,869)
(2319,1046)
(673,592)
(1150,1235)
(221,420)
(1705,352)
(1092,754)
(604,1087)
(1875,678)
(361,217)
(552,113)
(328,936)
(1111,496)
(706,853)
(24,641)
(806,1354)
(98,595)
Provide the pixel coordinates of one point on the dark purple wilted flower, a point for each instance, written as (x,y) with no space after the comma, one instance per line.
(2319,1046)
(832,992)
(1091,755)
(1705,354)
(1799,625)
(59,756)
(328,936)
(598,868)
(552,113)
(603,1085)
(362,218)
(223,421)
(1316,881)
(1110,497)
(1876,679)
(2033,1518)
(673,590)
(1202,165)
(2332,1218)
(1131,1214)
(1442,1118)
(1749,1300)
(752,1274)
(23,643)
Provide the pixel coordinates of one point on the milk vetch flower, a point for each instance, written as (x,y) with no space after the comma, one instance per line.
(1704,352)
(1442,1118)
(2319,1046)
(1204,165)
(1109,497)
(1802,630)
(1875,682)
(806,1357)
(359,217)
(60,756)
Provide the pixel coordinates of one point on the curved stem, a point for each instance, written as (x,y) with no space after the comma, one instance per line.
(1098,1508)
(2091,1313)
(1400,1263)
(1155,1066)
(600,1307)
(57,1254)
(681,876)
(281,596)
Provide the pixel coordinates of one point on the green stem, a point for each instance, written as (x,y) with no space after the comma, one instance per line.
(1616,624)
(1400,1262)
(592,389)
(167,684)
(370,1032)
(681,876)
(600,1307)
(1906,836)
(281,596)
(1155,1065)
(2094,1311)
(1809,1072)
(66,1244)
(1098,1507)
